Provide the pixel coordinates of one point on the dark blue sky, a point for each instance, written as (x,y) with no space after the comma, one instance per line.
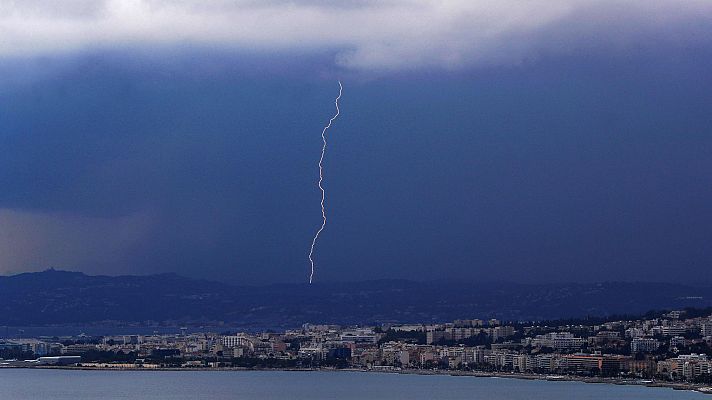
(589,165)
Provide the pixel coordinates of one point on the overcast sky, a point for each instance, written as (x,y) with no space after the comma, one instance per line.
(510,140)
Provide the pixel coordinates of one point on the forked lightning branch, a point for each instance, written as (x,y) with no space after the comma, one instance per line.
(321,180)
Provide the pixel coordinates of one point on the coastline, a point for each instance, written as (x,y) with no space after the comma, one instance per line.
(476,374)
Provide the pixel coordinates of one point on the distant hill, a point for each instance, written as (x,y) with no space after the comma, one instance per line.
(61,298)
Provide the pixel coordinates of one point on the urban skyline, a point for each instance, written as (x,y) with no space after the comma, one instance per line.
(669,349)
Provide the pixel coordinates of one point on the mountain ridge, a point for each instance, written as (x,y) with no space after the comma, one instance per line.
(55,297)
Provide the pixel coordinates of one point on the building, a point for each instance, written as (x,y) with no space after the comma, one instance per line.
(673,330)
(59,360)
(523,363)
(559,341)
(706,327)
(677,341)
(502,332)
(593,363)
(233,341)
(691,365)
(359,336)
(644,345)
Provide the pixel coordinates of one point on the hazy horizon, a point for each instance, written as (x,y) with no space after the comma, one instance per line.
(444,280)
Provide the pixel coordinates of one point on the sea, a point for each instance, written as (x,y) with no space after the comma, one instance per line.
(33,384)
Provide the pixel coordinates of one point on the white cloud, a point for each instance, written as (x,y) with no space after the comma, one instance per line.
(366,34)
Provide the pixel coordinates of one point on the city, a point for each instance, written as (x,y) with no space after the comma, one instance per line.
(355,199)
(662,348)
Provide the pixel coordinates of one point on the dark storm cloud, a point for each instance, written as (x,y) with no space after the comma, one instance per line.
(594,165)
(565,141)
(192,155)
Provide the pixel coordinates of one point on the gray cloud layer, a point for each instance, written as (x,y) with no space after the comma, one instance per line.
(366,35)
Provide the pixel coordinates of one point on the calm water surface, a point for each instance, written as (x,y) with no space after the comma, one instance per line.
(24,384)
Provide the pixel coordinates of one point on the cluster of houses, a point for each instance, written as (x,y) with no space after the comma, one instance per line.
(672,346)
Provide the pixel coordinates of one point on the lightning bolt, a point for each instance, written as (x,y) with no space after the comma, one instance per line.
(321,179)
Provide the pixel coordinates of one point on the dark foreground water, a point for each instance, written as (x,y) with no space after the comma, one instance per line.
(21,384)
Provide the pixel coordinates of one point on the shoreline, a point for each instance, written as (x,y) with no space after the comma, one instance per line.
(476,374)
